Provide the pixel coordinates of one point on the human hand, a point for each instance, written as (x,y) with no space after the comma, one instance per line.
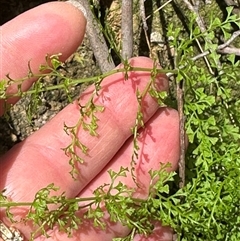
(58,27)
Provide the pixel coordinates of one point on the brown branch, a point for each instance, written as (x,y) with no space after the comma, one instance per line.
(144,22)
(229,50)
(96,38)
(143,15)
(181,163)
(201,25)
(230,40)
(222,48)
(127,29)
(194,9)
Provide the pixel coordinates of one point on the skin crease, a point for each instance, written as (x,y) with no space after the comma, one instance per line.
(39,159)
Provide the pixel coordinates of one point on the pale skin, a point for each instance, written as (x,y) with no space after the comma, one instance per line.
(39,160)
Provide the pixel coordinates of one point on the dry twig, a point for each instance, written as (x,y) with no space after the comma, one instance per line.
(222,48)
(194,8)
(143,17)
(97,41)
(127,29)
(180,101)
(158,9)
(229,50)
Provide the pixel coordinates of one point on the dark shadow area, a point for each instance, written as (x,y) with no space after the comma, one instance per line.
(164,25)
(11,9)
(8,136)
(143,46)
(223,4)
(103,10)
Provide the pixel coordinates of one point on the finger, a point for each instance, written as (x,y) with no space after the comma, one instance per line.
(159,233)
(52,28)
(158,142)
(40,160)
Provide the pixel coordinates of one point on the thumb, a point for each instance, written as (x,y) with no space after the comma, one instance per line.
(52,28)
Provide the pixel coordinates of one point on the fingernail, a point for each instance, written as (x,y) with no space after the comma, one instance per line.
(79,6)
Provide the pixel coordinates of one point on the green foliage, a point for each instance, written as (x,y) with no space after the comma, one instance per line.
(208,206)
(209,209)
(115,197)
(86,112)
